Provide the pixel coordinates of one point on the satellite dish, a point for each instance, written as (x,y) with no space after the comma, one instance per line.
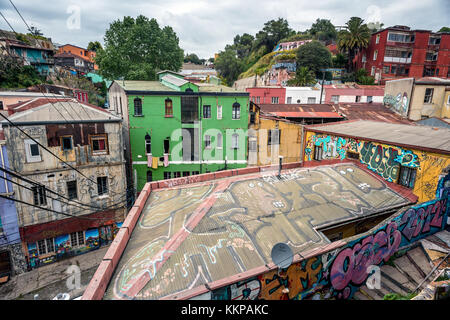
(282,255)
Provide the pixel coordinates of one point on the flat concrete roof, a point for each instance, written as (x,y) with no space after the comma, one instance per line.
(413,136)
(191,235)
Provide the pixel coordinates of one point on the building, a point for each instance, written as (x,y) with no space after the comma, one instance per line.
(197,73)
(292,45)
(8,98)
(267,94)
(74,62)
(79,52)
(369,111)
(420,98)
(270,137)
(220,246)
(399,52)
(50,90)
(351,93)
(12,258)
(39,54)
(410,155)
(179,128)
(303,95)
(74,196)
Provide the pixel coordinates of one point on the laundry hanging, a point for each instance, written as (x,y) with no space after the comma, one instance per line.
(149,160)
(166,160)
(155,163)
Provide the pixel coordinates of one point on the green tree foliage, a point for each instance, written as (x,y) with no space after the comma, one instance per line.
(193,58)
(323,30)
(303,77)
(15,75)
(228,65)
(272,32)
(362,77)
(95,46)
(243,45)
(339,61)
(444,29)
(315,56)
(137,49)
(356,37)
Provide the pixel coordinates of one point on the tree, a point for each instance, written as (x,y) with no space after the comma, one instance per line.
(228,65)
(362,77)
(193,58)
(243,45)
(356,37)
(137,49)
(303,77)
(35,31)
(323,30)
(95,46)
(15,75)
(315,56)
(272,33)
(339,60)
(444,29)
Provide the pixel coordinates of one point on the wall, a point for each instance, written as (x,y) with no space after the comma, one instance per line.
(397,95)
(338,273)
(265,94)
(302,94)
(434,109)
(384,160)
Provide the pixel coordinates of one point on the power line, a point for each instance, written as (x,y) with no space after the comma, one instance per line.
(8,22)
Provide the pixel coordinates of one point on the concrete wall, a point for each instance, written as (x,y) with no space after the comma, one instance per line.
(397,95)
(385,160)
(301,94)
(437,107)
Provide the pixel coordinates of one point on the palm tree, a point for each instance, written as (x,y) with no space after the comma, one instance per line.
(303,77)
(356,37)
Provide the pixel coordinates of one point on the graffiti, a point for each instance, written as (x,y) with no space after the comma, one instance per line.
(399,102)
(333,147)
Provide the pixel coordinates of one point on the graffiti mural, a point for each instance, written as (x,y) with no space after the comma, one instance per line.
(399,103)
(333,147)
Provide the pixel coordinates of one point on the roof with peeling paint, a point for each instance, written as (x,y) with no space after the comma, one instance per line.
(194,234)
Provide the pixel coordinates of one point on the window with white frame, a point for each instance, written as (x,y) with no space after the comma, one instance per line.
(219,112)
(372,71)
(235,141)
(289,100)
(311,99)
(39,197)
(46,246)
(77,238)
(335,99)
(375,55)
(236,111)
(32,151)
(207,142)
(206,111)
(369,99)
(377,40)
(257,99)
(428,95)
(274,100)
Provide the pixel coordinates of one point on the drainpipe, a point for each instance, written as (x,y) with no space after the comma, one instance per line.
(410,99)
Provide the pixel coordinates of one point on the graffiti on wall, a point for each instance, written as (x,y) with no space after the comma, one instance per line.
(333,147)
(399,102)
(339,274)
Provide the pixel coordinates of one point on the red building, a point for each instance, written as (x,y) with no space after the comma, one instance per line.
(399,52)
(267,95)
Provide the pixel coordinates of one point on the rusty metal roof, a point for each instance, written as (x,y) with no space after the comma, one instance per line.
(300,110)
(209,231)
(370,111)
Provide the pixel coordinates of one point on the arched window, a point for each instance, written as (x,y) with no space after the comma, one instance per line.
(148,144)
(236,111)
(137,107)
(189,90)
(169,108)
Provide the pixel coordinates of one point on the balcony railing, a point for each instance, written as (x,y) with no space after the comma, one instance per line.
(397,59)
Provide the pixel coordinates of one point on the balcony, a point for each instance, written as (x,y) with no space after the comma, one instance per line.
(397,59)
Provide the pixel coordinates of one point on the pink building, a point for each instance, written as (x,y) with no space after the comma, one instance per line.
(344,93)
(267,95)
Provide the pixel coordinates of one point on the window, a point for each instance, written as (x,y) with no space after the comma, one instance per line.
(206,112)
(236,111)
(358,99)
(1,105)
(448,99)
(177,174)
(377,40)
(166,145)
(311,99)
(274,100)
(298,100)
(39,197)
(99,144)
(273,137)
(46,246)
(235,141)
(32,151)
(369,99)
(102,185)
(252,144)
(318,153)
(372,71)
(148,144)
(375,55)
(169,108)
(257,99)
(407,177)
(399,37)
(428,95)
(335,99)
(352,155)
(149,176)
(186,173)
(195,172)
(120,100)
(252,117)
(77,238)
(219,141)
(386,69)
(219,112)
(72,189)
(335,236)
(431,56)
(289,100)
(167,175)
(137,107)
(66,143)
(207,142)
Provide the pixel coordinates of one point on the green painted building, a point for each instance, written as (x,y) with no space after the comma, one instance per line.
(178,128)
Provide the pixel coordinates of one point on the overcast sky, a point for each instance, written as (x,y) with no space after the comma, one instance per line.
(204,27)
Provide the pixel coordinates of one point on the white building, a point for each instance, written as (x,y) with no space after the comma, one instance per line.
(303,95)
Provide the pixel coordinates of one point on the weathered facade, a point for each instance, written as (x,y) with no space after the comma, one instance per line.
(64,211)
(412,156)
(178,128)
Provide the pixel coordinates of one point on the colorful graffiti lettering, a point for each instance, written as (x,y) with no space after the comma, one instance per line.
(399,102)
(333,147)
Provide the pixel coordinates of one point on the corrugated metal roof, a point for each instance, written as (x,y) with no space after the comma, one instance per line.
(216,229)
(142,85)
(391,133)
(306,114)
(370,111)
(174,80)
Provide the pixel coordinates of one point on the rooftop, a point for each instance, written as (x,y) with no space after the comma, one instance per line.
(369,111)
(411,136)
(134,85)
(300,110)
(190,235)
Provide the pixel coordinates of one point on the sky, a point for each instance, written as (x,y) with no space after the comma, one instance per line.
(204,27)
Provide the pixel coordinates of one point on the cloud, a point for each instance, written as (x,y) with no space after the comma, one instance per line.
(204,27)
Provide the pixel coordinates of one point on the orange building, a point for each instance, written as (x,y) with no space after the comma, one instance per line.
(78,51)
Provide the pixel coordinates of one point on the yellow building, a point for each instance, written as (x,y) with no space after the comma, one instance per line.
(409,155)
(270,137)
